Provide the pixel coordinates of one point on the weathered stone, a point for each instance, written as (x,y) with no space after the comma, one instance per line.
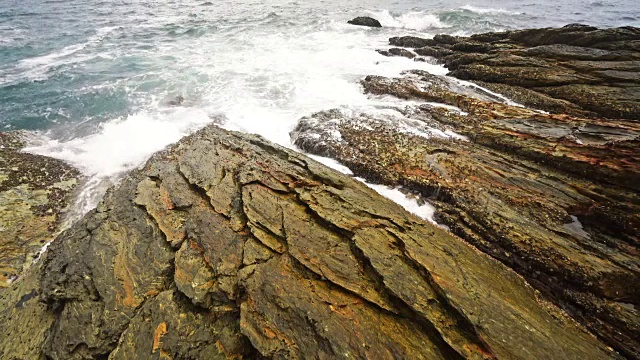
(365,21)
(554,197)
(575,64)
(193,277)
(397,52)
(411,42)
(35,192)
(24,321)
(342,272)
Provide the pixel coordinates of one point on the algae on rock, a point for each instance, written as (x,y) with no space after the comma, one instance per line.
(35,192)
(225,245)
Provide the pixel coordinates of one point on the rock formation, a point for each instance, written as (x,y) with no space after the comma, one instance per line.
(578,70)
(397,52)
(34,194)
(365,21)
(553,196)
(227,246)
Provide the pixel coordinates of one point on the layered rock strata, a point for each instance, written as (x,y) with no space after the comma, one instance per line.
(227,246)
(578,69)
(553,196)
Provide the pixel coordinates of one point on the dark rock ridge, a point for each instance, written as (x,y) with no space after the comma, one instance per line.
(578,70)
(397,52)
(34,194)
(227,246)
(555,197)
(365,21)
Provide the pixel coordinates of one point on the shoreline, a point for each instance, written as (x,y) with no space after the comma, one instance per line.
(547,194)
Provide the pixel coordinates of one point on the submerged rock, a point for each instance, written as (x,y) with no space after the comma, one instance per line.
(365,21)
(34,195)
(176,101)
(554,197)
(397,52)
(559,70)
(228,246)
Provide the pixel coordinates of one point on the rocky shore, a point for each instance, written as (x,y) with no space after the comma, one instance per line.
(35,192)
(578,70)
(227,246)
(554,195)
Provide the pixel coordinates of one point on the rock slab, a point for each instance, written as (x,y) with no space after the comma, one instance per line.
(34,194)
(553,196)
(561,70)
(227,246)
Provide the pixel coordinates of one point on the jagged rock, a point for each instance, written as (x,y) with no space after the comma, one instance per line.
(411,42)
(225,245)
(365,21)
(574,64)
(554,197)
(34,194)
(598,149)
(397,52)
(402,52)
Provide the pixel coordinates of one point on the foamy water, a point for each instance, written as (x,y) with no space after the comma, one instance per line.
(261,85)
(102,80)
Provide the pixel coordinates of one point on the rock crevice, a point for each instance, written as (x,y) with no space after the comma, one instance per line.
(227,246)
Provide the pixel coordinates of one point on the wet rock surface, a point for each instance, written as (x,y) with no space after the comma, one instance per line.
(227,246)
(365,21)
(553,196)
(397,52)
(35,192)
(558,70)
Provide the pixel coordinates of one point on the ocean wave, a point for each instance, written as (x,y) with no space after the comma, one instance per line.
(37,68)
(483,11)
(601,4)
(413,20)
(289,74)
(121,145)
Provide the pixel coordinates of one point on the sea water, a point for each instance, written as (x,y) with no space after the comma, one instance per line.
(107,83)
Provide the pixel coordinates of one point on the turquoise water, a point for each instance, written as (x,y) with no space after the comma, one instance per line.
(99,79)
(64,63)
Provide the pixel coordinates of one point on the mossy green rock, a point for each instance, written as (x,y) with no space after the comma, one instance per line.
(553,196)
(35,192)
(227,246)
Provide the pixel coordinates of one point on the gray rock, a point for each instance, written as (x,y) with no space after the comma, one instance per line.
(365,21)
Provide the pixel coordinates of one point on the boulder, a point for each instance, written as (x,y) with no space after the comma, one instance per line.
(365,21)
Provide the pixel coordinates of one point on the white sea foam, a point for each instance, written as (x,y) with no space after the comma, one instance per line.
(497,97)
(335,165)
(424,211)
(121,145)
(262,81)
(479,10)
(413,20)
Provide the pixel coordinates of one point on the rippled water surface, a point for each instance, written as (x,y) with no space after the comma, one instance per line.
(104,81)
